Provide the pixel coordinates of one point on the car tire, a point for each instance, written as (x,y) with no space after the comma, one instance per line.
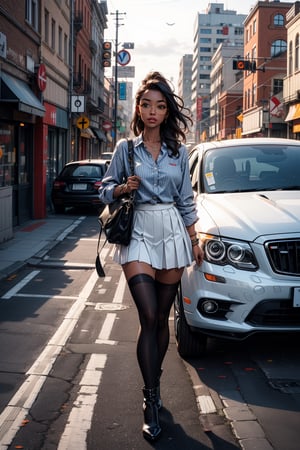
(189,344)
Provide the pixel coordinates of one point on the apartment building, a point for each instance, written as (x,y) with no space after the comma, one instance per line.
(214,27)
(50,53)
(185,85)
(291,83)
(266,46)
(226,93)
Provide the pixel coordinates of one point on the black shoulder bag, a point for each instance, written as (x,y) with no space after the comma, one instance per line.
(116,219)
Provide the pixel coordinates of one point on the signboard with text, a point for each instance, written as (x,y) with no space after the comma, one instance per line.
(126,72)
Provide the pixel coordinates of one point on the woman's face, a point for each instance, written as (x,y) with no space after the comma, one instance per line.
(152,108)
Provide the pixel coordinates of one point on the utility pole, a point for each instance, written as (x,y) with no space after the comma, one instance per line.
(117,15)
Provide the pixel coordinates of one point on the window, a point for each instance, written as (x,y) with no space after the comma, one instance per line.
(60,35)
(297,52)
(46,26)
(31,13)
(205,40)
(53,26)
(238,31)
(66,48)
(254,26)
(290,58)
(277,85)
(278,47)
(278,20)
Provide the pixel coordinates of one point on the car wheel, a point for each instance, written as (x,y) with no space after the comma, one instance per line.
(59,209)
(189,344)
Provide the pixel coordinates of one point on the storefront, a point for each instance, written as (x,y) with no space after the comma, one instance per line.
(20,111)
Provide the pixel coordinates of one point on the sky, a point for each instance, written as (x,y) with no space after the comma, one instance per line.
(161,30)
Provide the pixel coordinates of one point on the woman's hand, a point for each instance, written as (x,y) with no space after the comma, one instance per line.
(132,183)
(198,254)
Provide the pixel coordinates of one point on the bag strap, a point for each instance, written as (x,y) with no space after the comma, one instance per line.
(130,156)
(131,164)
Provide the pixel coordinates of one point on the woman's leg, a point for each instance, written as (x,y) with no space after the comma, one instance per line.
(142,286)
(141,282)
(166,292)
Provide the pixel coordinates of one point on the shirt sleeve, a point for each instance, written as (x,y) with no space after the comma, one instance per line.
(185,200)
(115,174)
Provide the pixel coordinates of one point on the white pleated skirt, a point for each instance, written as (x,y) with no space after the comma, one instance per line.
(159,238)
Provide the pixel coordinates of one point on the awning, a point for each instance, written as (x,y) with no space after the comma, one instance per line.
(294,112)
(17,91)
(100,135)
(290,114)
(87,133)
(297,112)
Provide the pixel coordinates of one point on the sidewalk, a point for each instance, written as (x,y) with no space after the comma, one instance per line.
(35,238)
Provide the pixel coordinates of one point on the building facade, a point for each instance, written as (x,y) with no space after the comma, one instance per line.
(211,29)
(185,86)
(266,46)
(291,83)
(50,54)
(226,92)
(21,108)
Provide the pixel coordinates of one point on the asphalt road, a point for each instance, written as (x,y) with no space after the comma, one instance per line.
(69,376)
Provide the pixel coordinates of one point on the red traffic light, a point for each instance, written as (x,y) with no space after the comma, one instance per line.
(243,64)
(106,54)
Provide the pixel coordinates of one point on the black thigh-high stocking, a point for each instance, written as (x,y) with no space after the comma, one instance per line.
(165,298)
(143,291)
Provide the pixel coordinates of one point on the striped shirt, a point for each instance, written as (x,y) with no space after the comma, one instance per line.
(166,180)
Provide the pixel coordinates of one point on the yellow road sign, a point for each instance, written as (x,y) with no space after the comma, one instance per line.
(83,122)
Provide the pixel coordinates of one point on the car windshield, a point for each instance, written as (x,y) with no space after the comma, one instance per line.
(84,170)
(250,168)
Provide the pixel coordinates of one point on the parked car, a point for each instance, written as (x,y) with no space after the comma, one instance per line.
(107,155)
(248,200)
(78,183)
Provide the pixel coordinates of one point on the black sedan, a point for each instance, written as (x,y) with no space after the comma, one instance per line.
(77,184)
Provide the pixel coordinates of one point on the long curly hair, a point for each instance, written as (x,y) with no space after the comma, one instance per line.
(178,120)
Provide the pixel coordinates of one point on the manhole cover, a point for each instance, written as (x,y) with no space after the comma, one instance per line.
(286,386)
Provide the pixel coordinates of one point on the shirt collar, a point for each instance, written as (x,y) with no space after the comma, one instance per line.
(139,140)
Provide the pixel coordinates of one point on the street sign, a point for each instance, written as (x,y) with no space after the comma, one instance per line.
(107,126)
(123,57)
(77,103)
(122,90)
(41,77)
(126,72)
(128,45)
(83,122)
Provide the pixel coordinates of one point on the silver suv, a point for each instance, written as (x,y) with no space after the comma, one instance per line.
(248,200)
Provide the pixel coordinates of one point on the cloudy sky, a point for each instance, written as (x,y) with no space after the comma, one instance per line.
(162,31)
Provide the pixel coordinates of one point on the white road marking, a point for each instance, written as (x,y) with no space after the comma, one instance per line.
(13,291)
(19,406)
(80,418)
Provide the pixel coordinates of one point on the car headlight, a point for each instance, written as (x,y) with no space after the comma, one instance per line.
(226,251)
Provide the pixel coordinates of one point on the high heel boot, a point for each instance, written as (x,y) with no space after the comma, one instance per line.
(157,387)
(151,427)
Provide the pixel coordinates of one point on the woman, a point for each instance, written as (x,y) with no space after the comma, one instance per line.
(164,240)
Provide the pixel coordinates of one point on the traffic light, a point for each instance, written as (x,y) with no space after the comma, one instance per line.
(243,64)
(106,54)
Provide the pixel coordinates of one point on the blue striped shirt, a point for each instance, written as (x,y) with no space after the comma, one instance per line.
(166,180)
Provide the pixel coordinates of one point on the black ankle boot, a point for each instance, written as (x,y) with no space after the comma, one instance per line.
(151,427)
(157,387)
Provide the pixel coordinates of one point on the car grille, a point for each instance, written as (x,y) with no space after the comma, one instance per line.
(284,256)
(274,313)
